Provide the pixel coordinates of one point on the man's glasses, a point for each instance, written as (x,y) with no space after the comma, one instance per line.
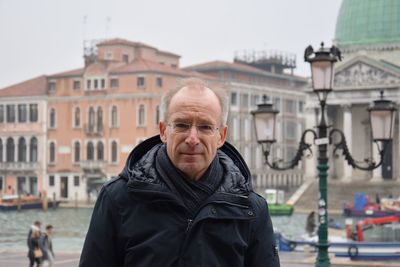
(204,129)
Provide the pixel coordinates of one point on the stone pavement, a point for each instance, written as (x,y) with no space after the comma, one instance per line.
(288,259)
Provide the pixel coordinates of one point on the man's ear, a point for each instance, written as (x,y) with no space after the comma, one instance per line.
(163,128)
(222,136)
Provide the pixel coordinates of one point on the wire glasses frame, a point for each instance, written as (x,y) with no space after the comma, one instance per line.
(204,129)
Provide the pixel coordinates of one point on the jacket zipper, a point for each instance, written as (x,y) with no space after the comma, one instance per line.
(189,225)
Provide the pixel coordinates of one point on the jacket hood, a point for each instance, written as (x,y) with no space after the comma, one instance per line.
(138,168)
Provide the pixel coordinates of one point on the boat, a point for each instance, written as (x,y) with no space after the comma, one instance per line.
(15,202)
(275,199)
(363,207)
(353,245)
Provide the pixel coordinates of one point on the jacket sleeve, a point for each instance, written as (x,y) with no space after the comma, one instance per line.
(262,249)
(100,249)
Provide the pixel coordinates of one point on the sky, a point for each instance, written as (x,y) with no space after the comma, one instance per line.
(44,37)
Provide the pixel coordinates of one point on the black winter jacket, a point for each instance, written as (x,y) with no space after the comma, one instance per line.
(138,221)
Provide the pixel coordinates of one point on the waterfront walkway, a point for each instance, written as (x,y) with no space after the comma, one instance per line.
(19,259)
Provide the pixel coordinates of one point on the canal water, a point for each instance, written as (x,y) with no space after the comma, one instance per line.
(70,227)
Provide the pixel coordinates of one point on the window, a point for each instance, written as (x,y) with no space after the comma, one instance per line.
(10,113)
(88,84)
(91,119)
(114,83)
(157,118)
(96,84)
(159,82)
(77,151)
(290,106)
(109,55)
(1,183)
(114,151)
(234,98)
(33,149)
(245,101)
(255,99)
(291,130)
(140,82)
(52,118)
(103,83)
(301,106)
(76,180)
(21,150)
(52,152)
(22,113)
(100,151)
(51,87)
(1,150)
(1,113)
(114,116)
(10,150)
(141,116)
(90,151)
(125,58)
(33,112)
(77,85)
(77,117)
(51,180)
(99,119)
(277,103)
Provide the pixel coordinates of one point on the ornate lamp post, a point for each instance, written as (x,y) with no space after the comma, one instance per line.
(382,114)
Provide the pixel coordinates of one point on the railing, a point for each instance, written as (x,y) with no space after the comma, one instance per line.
(18,166)
(94,130)
(279,180)
(93,164)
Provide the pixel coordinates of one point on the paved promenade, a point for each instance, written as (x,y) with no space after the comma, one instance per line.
(19,259)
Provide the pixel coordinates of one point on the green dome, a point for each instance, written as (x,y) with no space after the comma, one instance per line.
(368,22)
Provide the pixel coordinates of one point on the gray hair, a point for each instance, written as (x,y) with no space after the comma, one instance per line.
(197,84)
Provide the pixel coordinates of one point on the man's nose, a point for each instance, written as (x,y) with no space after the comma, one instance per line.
(193,136)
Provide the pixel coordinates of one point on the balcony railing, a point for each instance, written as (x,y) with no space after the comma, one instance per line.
(93,165)
(18,166)
(94,130)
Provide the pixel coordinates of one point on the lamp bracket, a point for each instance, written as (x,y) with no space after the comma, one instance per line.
(280,165)
(368,164)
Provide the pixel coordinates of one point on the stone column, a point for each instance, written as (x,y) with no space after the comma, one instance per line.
(348,133)
(310,165)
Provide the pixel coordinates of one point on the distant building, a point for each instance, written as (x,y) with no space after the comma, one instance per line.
(23,120)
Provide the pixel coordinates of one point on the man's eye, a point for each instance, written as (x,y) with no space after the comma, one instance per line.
(182,126)
(205,127)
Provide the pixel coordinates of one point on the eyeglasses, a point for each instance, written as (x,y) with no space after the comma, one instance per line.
(204,129)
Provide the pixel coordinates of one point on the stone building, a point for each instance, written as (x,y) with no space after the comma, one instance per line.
(368,35)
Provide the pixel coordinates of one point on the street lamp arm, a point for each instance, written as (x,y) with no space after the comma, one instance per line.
(368,164)
(303,146)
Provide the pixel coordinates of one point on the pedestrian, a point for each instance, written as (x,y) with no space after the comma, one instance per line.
(310,224)
(184,197)
(47,245)
(35,252)
(34,227)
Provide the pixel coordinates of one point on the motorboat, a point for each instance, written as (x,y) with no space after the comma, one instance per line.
(24,202)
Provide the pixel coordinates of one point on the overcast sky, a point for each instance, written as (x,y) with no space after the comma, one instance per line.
(46,36)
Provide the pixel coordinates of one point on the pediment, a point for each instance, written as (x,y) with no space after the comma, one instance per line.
(366,72)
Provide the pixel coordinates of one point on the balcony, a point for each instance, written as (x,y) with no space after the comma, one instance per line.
(18,166)
(94,130)
(93,165)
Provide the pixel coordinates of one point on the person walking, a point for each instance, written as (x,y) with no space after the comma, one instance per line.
(47,245)
(35,252)
(184,197)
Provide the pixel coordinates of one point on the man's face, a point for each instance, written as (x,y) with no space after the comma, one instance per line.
(192,151)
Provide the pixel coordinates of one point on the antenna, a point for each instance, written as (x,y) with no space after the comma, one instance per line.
(108,23)
(84,22)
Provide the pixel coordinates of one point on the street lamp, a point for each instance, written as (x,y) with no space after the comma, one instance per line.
(382,114)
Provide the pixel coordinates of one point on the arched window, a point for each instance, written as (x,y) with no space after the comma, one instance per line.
(114,151)
(1,150)
(99,119)
(141,115)
(91,119)
(33,149)
(21,150)
(52,118)
(157,117)
(77,117)
(77,151)
(114,116)
(52,152)
(90,151)
(10,150)
(100,151)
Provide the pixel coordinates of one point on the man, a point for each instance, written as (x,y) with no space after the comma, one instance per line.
(184,197)
(47,245)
